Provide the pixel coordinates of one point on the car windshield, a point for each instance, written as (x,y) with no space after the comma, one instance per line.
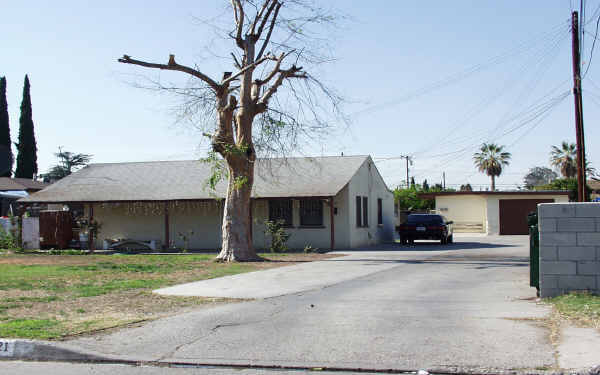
(424,219)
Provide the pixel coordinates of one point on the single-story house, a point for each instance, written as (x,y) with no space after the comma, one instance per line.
(13,185)
(326,202)
(12,189)
(492,212)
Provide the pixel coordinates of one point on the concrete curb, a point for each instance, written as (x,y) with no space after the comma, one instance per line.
(30,350)
(18,349)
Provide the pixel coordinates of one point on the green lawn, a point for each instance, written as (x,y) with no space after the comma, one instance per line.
(53,296)
(580,308)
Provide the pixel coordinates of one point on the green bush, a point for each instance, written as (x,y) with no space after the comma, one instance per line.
(67,252)
(278,235)
(7,241)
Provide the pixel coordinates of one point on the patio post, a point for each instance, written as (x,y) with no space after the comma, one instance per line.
(332,222)
(167,237)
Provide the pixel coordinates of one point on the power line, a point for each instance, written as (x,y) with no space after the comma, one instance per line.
(540,110)
(457,77)
(549,52)
(592,50)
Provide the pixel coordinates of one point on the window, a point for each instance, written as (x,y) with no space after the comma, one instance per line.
(311,212)
(379,211)
(365,212)
(358,212)
(281,209)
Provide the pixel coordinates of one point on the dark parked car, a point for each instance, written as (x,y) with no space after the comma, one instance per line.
(426,227)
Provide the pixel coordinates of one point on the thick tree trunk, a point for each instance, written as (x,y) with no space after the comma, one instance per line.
(237,225)
(493,183)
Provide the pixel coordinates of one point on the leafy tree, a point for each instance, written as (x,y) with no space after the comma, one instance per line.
(539,176)
(268,105)
(412,181)
(409,200)
(490,159)
(425,185)
(6,154)
(26,148)
(566,184)
(68,163)
(466,187)
(565,159)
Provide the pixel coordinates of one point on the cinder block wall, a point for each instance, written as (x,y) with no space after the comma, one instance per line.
(569,248)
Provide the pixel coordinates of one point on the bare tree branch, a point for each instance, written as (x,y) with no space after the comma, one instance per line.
(265,19)
(248,67)
(172,65)
(275,70)
(235,60)
(239,19)
(293,72)
(259,15)
(270,32)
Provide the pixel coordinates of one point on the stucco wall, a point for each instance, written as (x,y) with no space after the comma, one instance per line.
(493,207)
(367,182)
(317,237)
(467,210)
(203,219)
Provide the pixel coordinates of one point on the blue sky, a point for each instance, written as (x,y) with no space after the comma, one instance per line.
(387,51)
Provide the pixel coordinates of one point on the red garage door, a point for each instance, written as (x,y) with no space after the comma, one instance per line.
(513,214)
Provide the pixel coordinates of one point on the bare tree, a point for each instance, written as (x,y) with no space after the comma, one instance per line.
(266,106)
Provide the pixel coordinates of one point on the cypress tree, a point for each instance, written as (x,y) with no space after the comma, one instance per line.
(6,156)
(26,148)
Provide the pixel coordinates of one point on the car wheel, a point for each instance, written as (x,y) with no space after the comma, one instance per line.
(451,239)
(411,241)
(443,241)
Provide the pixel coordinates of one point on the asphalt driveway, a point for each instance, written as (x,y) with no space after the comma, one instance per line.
(466,305)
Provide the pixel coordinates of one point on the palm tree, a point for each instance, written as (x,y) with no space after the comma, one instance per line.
(490,160)
(589,170)
(565,159)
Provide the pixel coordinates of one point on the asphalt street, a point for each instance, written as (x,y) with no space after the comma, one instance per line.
(466,305)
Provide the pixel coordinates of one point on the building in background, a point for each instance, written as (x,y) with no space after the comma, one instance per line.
(492,212)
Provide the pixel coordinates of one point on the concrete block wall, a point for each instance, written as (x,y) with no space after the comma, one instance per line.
(569,248)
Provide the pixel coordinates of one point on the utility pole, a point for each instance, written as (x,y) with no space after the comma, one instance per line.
(408,160)
(444,179)
(407,180)
(578,109)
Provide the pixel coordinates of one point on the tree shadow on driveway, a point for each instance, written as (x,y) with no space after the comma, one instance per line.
(433,246)
(476,262)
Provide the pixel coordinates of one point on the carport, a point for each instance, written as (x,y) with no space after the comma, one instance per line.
(492,212)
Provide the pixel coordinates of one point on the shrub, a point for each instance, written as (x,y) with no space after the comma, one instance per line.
(278,235)
(67,252)
(7,241)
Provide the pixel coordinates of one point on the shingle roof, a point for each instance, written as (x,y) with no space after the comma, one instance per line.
(180,180)
(7,183)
